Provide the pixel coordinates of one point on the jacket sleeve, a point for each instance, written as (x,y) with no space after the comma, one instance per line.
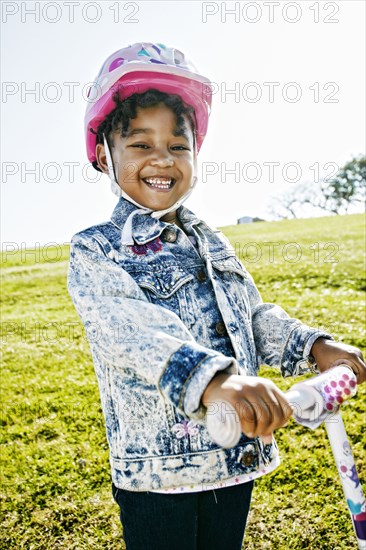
(135,337)
(280,340)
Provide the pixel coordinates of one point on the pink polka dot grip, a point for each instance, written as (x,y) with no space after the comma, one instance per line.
(318,398)
(338,386)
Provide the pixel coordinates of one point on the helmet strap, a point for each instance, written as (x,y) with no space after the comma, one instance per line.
(116,189)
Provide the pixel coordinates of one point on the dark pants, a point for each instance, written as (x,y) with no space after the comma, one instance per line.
(210,520)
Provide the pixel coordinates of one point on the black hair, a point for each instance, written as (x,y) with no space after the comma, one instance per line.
(125,110)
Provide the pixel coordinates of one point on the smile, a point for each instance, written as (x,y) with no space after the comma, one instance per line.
(162,184)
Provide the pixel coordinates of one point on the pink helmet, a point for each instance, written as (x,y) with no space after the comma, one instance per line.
(138,68)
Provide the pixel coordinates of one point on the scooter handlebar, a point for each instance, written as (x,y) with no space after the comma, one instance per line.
(311,400)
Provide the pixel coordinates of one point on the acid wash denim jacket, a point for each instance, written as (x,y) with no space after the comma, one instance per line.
(162,317)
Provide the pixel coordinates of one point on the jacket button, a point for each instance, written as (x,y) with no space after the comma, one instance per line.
(201,275)
(220,328)
(170,235)
(248,458)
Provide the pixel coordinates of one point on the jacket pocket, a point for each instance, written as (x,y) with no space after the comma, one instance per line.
(168,288)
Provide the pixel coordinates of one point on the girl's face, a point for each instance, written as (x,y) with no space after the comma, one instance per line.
(153,164)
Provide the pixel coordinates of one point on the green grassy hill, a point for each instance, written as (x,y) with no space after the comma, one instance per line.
(55,480)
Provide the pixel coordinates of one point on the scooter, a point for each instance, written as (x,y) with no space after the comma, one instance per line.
(313,401)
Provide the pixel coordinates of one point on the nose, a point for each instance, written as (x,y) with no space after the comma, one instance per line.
(162,158)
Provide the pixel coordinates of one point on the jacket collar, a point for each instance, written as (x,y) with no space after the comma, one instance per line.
(144,227)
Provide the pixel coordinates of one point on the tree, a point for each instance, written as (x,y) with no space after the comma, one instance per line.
(347,187)
(336,195)
(284,206)
(297,202)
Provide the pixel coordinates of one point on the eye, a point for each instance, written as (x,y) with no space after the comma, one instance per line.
(140,145)
(180,148)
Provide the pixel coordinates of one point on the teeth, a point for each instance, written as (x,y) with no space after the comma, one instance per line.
(161,183)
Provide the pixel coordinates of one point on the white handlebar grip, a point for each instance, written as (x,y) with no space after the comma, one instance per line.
(223,424)
(306,402)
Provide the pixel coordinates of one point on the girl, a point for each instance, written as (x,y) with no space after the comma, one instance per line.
(173,319)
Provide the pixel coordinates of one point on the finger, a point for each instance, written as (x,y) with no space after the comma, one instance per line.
(281,411)
(248,414)
(260,417)
(357,365)
(286,408)
(267,416)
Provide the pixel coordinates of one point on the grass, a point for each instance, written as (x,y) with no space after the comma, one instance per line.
(55,479)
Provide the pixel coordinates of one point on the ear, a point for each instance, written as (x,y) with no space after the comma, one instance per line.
(101,158)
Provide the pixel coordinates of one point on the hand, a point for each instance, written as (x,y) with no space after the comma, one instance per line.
(261,406)
(328,354)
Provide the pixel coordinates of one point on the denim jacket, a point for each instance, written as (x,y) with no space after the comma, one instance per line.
(162,317)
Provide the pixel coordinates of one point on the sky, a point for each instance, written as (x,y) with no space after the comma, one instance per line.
(288,102)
